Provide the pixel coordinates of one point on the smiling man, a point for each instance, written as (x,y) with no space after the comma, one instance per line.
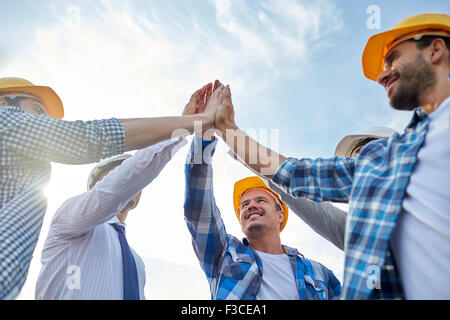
(398,225)
(259,267)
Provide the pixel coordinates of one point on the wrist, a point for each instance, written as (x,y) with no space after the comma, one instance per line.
(227,126)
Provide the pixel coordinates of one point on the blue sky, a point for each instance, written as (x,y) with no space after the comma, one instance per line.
(293,66)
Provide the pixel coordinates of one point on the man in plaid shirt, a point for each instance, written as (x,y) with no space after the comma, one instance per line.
(32,136)
(398,189)
(259,267)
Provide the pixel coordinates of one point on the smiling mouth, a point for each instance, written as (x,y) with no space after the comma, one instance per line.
(254,213)
(390,83)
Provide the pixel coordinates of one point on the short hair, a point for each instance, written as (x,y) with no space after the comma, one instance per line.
(425,42)
(277,206)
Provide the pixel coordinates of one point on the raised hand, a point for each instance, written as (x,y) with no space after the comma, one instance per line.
(225,112)
(197,103)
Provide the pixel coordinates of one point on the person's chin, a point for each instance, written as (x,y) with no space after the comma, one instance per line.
(253,228)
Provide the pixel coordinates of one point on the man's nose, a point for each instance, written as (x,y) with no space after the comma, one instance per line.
(384,77)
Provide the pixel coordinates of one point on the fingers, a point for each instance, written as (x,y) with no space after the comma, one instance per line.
(217,84)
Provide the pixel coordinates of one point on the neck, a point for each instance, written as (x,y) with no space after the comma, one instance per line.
(437,95)
(122,216)
(269,243)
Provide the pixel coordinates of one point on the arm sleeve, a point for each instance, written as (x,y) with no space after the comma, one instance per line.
(324,218)
(202,216)
(334,286)
(82,213)
(318,180)
(53,140)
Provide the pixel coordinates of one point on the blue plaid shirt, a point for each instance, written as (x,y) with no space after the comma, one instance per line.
(232,267)
(374,184)
(28,144)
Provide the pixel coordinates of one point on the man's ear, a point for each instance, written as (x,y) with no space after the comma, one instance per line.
(3,102)
(437,50)
(281,216)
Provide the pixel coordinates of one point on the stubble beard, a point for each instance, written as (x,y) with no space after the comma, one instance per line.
(416,78)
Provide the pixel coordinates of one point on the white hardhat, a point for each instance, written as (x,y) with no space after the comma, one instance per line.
(348,143)
(104,166)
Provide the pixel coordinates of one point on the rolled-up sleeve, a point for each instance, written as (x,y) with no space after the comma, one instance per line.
(53,140)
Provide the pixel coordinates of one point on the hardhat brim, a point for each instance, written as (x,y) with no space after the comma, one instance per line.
(378,45)
(347,144)
(241,186)
(51,100)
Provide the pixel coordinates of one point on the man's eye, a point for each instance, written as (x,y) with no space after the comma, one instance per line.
(391,58)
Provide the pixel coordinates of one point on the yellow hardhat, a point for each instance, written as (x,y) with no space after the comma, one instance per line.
(246,184)
(52,102)
(418,25)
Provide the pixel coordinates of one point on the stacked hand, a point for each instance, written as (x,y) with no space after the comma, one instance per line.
(214,100)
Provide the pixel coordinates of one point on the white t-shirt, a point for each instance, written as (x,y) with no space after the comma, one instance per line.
(278,280)
(421,238)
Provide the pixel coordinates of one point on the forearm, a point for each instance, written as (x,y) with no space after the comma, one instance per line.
(140,133)
(110,195)
(262,160)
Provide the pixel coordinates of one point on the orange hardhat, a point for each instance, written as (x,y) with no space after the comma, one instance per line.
(437,24)
(52,102)
(246,184)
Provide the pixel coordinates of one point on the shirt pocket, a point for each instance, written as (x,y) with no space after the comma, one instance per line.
(236,265)
(315,289)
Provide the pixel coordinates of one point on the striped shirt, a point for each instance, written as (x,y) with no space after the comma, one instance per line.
(82,257)
(374,184)
(28,144)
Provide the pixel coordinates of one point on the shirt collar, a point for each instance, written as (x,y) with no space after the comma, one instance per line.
(115,220)
(419,115)
(290,251)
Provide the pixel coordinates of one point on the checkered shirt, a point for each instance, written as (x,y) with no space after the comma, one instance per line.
(374,184)
(27,146)
(232,267)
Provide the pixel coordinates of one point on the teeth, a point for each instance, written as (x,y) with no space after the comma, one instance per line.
(253,213)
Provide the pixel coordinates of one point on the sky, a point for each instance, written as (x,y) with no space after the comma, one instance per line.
(294,68)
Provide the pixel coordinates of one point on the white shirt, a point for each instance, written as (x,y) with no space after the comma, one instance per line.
(278,280)
(82,256)
(421,238)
